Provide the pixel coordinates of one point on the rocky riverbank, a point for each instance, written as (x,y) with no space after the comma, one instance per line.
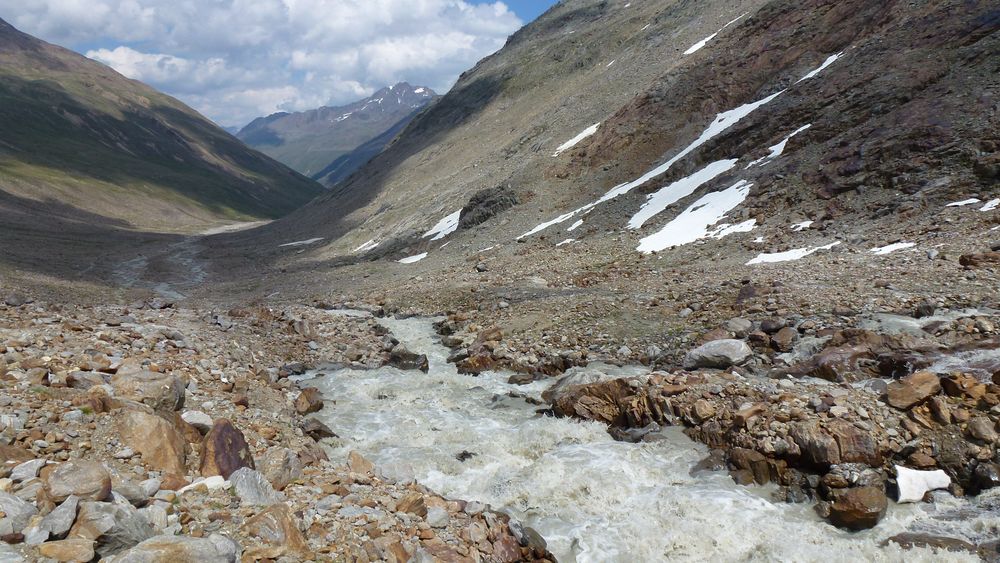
(156,433)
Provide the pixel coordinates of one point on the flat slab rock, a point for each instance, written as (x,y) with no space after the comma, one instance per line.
(719,354)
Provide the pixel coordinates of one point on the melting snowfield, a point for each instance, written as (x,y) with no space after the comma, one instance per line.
(694,222)
(301,242)
(883,250)
(413,259)
(445,226)
(789,255)
(593,499)
(589,131)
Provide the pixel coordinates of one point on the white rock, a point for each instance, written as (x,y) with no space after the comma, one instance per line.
(914,484)
(213,483)
(199,420)
(437,517)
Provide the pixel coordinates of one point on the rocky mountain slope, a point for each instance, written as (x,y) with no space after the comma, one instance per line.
(80,138)
(329,143)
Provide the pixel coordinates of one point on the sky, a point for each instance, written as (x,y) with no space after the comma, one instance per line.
(235,60)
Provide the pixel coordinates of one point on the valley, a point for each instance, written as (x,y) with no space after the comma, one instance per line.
(655,281)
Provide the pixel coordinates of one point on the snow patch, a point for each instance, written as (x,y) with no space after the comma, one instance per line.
(829,61)
(697,46)
(445,226)
(799,227)
(789,255)
(669,195)
(370,245)
(575,226)
(694,222)
(301,242)
(589,131)
(991,205)
(567,241)
(413,259)
(914,484)
(778,149)
(964,202)
(883,250)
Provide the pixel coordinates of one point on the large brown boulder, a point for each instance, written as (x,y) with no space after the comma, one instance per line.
(309,401)
(87,480)
(167,549)
(156,440)
(858,509)
(913,390)
(161,391)
(854,444)
(224,450)
(818,447)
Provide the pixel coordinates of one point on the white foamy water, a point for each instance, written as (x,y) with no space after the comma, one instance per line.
(591,498)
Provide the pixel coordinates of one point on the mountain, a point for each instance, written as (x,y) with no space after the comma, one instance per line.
(312,141)
(869,110)
(79,135)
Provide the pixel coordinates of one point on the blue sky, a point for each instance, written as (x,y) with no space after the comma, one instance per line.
(235,60)
(530,9)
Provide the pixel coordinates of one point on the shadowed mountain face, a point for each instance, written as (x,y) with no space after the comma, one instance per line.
(320,142)
(77,133)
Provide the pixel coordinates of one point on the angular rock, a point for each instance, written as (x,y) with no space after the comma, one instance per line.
(309,401)
(115,527)
(27,470)
(253,489)
(358,464)
(68,551)
(784,339)
(986,476)
(199,420)
(913,484)
(161,391)
(157,441)
(17,514)
(224,450)
(983,429)
(913,390)
(403,359)
(854,444)
(316,430)
(412,503)
(281,467)
(719,354)
(87,480)
(437,517)
(169,549)
(58,522)
(276,526)
(818,448)
(858,509)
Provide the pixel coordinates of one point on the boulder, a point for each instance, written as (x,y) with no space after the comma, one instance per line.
(912,390)
(115,527)
(87,480)
(913,484)
(358,464)
(316,430)
(58,522)
(16,514)
(281,467)
(412,503)
(162,448)
(27,470)
(401,358)
(859,508)
(719,354)
(309,401)
(224,450)
(169,549)
(819,448)
(199,420)
(161,391)
(986,476)
(784,339)
(68,551)
(253,489)
(854,444)
(276,526)
(982,428)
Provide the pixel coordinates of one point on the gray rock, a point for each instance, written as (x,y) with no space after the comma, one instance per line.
(9,554)
(35,535)
(403,359)
(150,487)
(253,489)
(201,421)
(27,470)
(59,521)
(134,494)
(437,517)
(160,391)
(739,326)
(18,513)
(719,354)
(156,515)
(179,548)
(117,527)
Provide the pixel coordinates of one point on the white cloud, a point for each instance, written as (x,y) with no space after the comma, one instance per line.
(234,60)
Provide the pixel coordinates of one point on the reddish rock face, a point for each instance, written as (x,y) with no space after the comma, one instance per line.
(224,450)
(912,390)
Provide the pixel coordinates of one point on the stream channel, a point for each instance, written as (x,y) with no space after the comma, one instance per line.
(592,498)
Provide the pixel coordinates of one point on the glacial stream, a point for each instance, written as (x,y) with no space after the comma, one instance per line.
(593,499)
